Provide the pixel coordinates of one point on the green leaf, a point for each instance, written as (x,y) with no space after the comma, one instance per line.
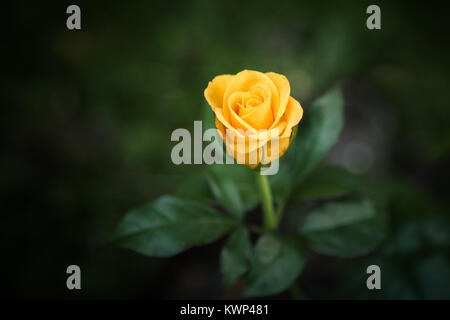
(405,238)
(236,181)
(326,182)
(226,193)
(170,225)
(437,230)
(196,187)
(433,276)
(346,229)
(276,264)
(318,131)
(236,256)
(230,185)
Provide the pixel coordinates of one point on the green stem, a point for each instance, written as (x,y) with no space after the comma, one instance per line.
(269,217)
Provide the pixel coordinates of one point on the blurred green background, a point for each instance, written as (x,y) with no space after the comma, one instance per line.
(88,114)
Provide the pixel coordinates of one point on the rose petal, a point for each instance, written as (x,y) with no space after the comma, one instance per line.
(239,131)
(247,105)
(244,143)
(244,81)
(262,116)
(284,90)
(240,152)
(246,147)
(243,155)
(293,115)
(232,149)
(220,128)
(216,89)
(231,108)
(270,153)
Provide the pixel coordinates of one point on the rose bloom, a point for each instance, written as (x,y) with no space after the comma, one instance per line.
(255,114)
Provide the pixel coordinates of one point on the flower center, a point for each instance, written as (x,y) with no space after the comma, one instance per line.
(252,99)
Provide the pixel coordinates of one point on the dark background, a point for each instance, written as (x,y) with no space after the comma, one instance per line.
(87,117)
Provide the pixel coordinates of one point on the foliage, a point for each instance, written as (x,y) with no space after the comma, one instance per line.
(344,228)
(86,130)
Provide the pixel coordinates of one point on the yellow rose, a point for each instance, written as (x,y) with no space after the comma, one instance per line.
(254,113)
